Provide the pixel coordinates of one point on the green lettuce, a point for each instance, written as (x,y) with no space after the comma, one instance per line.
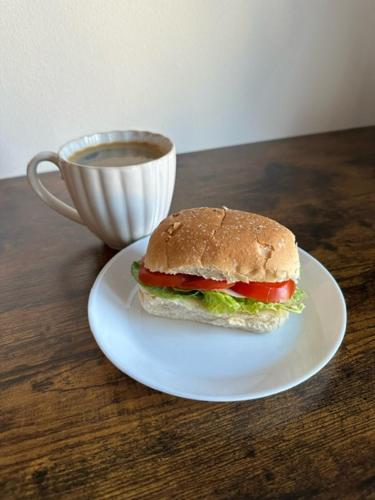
(219,302)
(222,303)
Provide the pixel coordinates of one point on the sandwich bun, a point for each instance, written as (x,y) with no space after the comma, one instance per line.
(223,244)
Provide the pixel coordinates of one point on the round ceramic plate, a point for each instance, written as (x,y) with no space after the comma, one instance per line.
(209,363)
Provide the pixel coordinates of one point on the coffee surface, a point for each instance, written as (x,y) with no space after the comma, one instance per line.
(117,154)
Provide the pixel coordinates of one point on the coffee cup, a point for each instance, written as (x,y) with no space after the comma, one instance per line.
(121,183)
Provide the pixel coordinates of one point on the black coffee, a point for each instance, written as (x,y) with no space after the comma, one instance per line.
(117,154)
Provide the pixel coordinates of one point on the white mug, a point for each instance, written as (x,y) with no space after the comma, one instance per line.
(118,204)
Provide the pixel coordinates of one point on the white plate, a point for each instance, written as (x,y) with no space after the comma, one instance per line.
(209,363)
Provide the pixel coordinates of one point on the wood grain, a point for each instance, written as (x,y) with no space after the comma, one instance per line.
(73,426)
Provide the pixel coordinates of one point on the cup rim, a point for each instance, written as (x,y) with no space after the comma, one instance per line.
(94,139)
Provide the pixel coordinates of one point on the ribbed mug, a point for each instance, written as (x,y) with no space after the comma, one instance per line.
(118,204)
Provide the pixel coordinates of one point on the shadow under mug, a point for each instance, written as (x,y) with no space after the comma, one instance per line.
(117,204)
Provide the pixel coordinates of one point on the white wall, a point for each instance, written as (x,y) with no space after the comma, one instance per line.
(205,72)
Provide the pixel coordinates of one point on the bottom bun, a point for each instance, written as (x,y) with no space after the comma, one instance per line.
(264,321)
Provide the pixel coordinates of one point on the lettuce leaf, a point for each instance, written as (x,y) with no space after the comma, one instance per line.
(219,302)
(222,303)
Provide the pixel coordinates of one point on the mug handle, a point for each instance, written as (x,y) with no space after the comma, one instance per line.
(43,193)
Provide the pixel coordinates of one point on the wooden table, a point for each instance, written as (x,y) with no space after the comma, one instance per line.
(73,426)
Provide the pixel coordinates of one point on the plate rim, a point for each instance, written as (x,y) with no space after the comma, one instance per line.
(222,398)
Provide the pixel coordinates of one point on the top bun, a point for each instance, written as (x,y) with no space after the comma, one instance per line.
(223,244)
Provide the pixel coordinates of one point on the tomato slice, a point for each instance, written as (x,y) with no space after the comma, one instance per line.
(263,291)
(160,279)
(183,281)
(280,291)
(198,283)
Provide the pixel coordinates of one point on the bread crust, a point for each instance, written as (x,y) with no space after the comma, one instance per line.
(223,244)
(261,322)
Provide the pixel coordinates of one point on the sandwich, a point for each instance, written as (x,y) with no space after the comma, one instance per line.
(219,266)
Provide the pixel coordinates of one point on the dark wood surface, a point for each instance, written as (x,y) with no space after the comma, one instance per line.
(73,426)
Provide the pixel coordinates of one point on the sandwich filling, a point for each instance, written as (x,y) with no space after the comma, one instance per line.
(221,297)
